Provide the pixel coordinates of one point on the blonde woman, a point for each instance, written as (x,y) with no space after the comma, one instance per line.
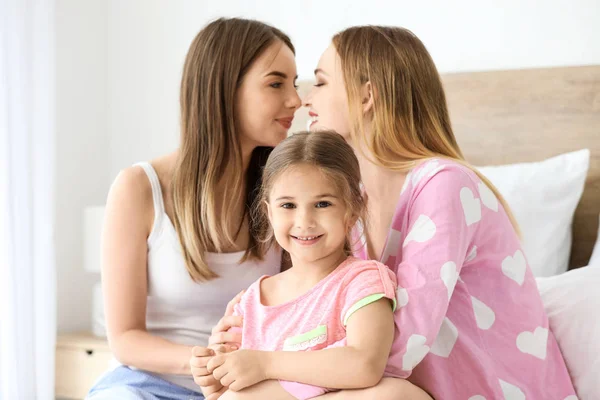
(470,322)
(177,244)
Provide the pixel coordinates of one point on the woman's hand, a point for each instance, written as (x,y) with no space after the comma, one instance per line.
(239,369)
(220,335)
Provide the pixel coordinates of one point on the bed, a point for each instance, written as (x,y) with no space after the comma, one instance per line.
(524,116)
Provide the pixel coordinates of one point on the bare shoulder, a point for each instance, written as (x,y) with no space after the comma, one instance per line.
(131,185)
(130,198)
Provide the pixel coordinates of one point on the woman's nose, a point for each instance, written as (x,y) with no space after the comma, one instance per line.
(294,101)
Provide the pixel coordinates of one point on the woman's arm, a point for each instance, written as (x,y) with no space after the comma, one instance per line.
(127,224)
(360,363)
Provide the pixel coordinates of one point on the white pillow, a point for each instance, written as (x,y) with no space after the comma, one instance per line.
(543,197)
(595,260)
(572,302)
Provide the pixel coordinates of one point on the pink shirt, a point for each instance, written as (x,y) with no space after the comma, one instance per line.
(470,323)
(317,319)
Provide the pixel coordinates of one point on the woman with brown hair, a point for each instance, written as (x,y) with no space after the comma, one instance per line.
(176,242)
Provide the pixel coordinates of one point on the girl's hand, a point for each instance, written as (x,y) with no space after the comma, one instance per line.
(200,358)
(220,335)
(239,369)
(216,395)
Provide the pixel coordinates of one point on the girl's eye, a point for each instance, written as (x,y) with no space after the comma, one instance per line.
(318,84)
(276,85)
(323,204)
(287,205)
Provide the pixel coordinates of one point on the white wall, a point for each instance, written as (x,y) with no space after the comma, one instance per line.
(149,38)
(119,65)
(82,147)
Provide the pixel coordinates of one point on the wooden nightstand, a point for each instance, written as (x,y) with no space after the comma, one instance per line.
(80,360)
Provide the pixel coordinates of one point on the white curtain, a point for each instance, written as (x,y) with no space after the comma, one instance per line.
(27,270)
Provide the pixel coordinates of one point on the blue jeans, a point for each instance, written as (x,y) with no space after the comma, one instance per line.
(124,383)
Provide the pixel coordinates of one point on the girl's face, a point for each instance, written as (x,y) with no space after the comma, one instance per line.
(267,99)
(308,215)
(328,101)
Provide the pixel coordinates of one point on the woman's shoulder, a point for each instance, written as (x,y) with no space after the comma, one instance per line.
(130,198)
(443,173)
(132,185)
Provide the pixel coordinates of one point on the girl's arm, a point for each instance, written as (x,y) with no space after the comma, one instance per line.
(127,224)
(358,364)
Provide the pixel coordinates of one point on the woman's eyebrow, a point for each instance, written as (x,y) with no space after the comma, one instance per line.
(279,74)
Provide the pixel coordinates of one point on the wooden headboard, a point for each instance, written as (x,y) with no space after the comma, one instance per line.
(505,117)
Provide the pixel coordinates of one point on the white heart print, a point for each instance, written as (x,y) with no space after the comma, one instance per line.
(471,206)
(478,397)
(423,230)
(405,185)
(534,343)
(445,340)
(424,170)
(435,171)
(511,392)
(515,267)
(484,315)
(401,297)
(392,245)
(472,254)
(416,350)
(449,276)
(488,198)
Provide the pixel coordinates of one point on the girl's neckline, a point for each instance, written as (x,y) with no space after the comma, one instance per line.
(306,294)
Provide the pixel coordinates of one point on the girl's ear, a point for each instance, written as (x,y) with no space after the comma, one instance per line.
(352,221)
(367,97)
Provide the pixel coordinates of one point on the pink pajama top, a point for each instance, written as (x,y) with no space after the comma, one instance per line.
(470,323)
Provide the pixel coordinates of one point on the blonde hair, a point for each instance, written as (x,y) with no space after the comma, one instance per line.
(210,152)
(325,150)
(410,120)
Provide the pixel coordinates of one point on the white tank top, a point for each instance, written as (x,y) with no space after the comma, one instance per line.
(179,309)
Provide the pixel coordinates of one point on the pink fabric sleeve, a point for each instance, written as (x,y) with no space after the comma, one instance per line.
(365,283)
(441,224)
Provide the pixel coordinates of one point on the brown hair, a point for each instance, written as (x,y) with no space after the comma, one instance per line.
(330,153)
(210,152)
(410,120)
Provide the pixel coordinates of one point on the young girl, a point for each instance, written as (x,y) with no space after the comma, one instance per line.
(328,320)
(470,322)
(177,243)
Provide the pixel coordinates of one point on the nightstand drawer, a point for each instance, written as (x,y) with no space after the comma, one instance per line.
(79,363)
